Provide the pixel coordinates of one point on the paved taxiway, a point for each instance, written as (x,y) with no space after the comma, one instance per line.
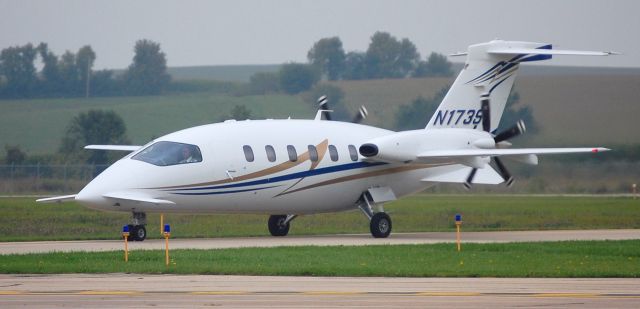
(123,290)
(323,240)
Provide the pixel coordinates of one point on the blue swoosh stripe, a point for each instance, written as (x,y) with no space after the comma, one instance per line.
(498,84)
(487,71)
(510,63)
(319,171)
(224,192)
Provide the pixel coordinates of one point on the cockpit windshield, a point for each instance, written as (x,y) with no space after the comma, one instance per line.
(169,153)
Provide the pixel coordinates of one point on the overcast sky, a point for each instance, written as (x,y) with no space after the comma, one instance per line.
(271,32)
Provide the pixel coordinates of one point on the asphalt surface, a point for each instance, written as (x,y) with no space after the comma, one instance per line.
(323,240)
(125,290)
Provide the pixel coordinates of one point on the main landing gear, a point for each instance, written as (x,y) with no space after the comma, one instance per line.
(137,230)
(279,224)
(379,222)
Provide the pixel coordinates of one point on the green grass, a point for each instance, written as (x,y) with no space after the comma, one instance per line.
(39,125)
(24,220)
(547,259)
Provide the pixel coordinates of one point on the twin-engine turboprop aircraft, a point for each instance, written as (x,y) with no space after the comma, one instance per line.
(287,168)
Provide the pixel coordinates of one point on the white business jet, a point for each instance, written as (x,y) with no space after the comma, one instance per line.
(286,168)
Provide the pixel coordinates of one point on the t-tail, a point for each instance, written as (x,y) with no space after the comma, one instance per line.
(488,75)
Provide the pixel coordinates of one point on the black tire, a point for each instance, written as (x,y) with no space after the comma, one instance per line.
(277,227)
(139,233)
(380,225)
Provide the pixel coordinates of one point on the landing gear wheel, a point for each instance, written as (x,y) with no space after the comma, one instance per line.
(380,225)
(277,225)
(139,233)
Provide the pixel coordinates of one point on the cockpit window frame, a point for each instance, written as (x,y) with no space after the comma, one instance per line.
(166,153)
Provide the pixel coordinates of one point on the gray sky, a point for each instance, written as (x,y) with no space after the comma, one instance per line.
(269,32)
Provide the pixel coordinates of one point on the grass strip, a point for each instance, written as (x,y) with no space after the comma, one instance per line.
(24,220)
(547,259)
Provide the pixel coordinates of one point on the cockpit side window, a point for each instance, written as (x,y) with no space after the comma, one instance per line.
(169,153)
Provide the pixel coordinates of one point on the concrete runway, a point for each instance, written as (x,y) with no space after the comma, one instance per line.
(323,240)
(123,290)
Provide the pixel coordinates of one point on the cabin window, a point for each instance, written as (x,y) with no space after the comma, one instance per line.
(169,153)
(333,153)
(248,153)
(353,153)
(293,155)
(271,153)
(313,153)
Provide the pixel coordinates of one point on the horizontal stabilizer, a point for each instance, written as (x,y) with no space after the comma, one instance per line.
(459,174)
(502,152)
(536,51)
(132,196)
(113,147)
(57,199)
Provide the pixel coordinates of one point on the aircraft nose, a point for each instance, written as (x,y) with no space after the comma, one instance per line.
(114,178)
(91,195)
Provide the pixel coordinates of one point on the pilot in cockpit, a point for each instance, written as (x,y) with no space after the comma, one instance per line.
(187,155)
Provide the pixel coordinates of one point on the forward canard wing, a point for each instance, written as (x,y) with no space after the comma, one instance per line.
(137,198)
(57,199)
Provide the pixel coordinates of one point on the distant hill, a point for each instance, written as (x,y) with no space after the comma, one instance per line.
(242,73)
(581,109)
(574,106)
(38,125)
(235,73)
(553,70)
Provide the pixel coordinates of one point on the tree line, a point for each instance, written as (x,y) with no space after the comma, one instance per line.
(72,74)
(386,57)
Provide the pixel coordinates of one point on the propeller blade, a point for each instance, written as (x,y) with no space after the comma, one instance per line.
(502,170)
(361,115)
(469,181)
(486,112)
(323,104)
(511,132)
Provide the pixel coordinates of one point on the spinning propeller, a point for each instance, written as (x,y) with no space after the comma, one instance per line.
(513,131)
(323,104)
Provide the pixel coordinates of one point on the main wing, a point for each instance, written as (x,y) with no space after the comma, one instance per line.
(457,153)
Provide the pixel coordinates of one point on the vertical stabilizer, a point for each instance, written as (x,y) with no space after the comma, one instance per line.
(486,72)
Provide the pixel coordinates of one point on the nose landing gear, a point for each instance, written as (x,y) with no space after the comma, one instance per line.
(137,226)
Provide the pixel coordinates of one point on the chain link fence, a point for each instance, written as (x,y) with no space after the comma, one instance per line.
(46,178)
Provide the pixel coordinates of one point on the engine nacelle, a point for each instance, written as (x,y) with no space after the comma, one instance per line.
(407,145)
